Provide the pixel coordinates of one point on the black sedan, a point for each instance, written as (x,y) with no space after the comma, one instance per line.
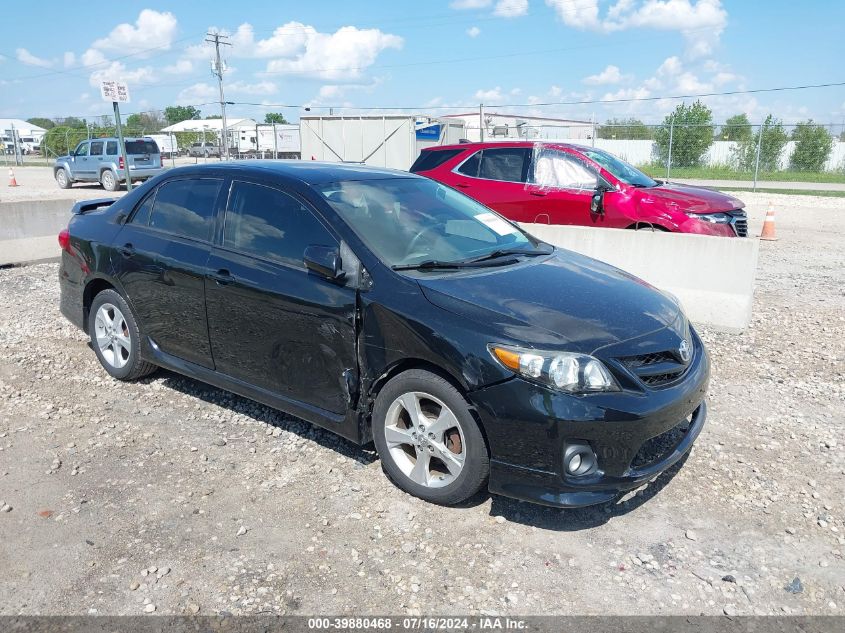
(392,309)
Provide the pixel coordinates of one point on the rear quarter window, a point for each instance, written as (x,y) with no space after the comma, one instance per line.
(431,159)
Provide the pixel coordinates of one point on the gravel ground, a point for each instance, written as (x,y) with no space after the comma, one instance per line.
(168,496)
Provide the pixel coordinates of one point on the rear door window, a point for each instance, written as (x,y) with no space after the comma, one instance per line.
(470,166)
(508,164)
(142,213)
(271,224)
(96,148)
(141,147)
(186,207)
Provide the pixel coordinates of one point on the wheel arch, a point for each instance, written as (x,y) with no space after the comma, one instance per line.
(93,287)
(401,367)
(646,225)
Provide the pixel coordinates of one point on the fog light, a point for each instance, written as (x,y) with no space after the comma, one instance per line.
(579,459)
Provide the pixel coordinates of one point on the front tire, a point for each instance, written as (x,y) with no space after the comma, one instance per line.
(109,180)
(116,338)
(63,179)
(428,440)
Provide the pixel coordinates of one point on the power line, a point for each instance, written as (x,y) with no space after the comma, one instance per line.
(553,103)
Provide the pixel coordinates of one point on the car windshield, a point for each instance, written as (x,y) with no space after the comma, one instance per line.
(619,168)
(410,221)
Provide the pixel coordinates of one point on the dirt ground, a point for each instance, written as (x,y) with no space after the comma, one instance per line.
(167,496)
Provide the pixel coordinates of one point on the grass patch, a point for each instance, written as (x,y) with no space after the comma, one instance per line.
(787,192)
(724,173)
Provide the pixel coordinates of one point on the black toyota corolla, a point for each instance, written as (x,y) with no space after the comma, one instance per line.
(390,308)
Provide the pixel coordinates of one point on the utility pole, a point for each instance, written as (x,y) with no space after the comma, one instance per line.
(217,69)
(481,121)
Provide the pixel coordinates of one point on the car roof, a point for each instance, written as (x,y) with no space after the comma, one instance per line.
(306,171)
(495,144)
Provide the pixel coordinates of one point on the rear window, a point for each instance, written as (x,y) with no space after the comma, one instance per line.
(186,207)
(430,159)
(141,147)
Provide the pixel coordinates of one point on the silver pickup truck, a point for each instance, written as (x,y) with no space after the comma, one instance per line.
(99,160)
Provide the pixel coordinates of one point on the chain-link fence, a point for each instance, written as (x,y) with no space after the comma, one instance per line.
(730,151)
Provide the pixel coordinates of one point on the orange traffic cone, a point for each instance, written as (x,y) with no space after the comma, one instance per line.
(769,225)
(12,181)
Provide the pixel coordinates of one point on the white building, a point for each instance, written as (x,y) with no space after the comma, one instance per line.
(516,126)
(28,135)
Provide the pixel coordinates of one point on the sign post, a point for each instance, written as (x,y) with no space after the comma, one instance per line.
(118,92)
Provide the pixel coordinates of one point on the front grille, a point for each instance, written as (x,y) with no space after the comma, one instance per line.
(739,222)
(656,369)
(661,446)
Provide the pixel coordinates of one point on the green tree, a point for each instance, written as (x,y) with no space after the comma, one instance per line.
(736,128)
(691,132)
(214,116)
(146,122)
(627,129)
(771,145)
(175,114)
(72,122)
(812,147)
(47,124)
(275,117)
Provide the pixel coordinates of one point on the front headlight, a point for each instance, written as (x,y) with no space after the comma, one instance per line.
(574,373)
(712,218)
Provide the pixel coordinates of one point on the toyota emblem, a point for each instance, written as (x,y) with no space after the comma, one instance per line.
(684,351)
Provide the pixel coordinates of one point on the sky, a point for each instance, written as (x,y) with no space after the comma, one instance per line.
(433,57)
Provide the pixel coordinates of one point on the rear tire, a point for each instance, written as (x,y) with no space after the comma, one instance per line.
(116,338)
(109,180)
(442,458)
(63,178)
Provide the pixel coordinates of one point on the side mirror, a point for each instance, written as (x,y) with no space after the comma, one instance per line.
(597,201)
(324,261)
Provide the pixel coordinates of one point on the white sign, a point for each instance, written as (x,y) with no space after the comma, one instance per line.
(115,91)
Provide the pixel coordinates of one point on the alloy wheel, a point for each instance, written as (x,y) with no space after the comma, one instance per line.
(112,335)
(425,439)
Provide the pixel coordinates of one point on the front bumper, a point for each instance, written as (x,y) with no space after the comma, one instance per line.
(529,426)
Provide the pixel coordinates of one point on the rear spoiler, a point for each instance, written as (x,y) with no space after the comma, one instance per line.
(91,205)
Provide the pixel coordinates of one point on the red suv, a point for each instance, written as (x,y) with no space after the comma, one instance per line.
(559,183)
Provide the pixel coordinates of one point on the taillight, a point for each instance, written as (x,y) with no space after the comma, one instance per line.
(160,161)
(64,240)
(120,163)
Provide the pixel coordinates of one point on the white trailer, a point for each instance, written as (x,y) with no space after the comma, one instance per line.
(167,144)
(392,141)
(280,140)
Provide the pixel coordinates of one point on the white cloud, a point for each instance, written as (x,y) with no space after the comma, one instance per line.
(181,67)
(339,56)
(490,96)
(700,21)
(670,66)
(152,29)
(473,31)
(69,59)
(196,94)
(258,88)
(28,58)
(118,71)
(511,8)
(722,78)
(470,4)
(610,75)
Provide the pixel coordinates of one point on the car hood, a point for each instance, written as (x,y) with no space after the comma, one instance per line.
(688,198)
(564,300)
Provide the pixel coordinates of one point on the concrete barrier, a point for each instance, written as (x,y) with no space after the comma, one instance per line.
(712,276)
(28,230)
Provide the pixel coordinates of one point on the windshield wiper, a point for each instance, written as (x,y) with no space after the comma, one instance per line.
(502,252)
(429,264)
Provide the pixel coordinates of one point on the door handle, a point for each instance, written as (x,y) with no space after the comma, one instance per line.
(222,276)
(462,185)
(127,250)
(539,194)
